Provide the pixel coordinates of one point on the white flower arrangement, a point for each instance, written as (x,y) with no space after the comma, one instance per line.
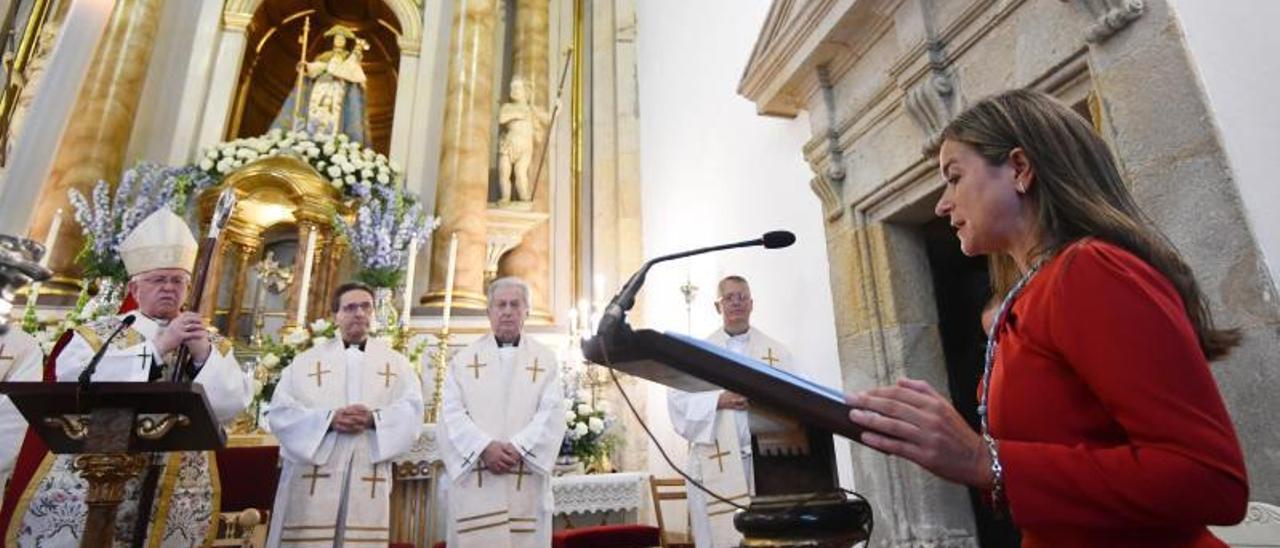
(586,436)
(350,167)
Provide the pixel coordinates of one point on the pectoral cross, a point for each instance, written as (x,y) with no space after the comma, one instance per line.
(719,456)
(319,375)
(475,365)
(535,369)
(314,476)
(386,375)
(770,358)
(520,474)
(373,481)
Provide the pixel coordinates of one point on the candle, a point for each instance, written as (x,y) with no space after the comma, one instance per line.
(585,316)
(306,277)
(573,319)
(448,280)
(51,238)
(408,281)
(597,294)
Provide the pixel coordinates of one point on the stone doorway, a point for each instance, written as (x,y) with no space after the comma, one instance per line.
(961,290)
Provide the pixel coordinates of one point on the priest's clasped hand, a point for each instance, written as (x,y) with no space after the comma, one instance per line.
(914,421)
(186,329)
(731,400)
(500,457)
(352,419)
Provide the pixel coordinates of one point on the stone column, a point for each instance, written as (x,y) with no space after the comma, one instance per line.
(97,135)
(226,74)
(531,260)
(463,186)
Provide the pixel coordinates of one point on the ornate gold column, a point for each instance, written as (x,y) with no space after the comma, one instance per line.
(93,145)
(463,186)
(245,253)
(531,260)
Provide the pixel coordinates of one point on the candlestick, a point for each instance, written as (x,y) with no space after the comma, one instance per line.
(408,281)
(448,280)
(306,277)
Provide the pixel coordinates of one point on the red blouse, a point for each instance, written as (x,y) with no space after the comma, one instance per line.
(1110,426)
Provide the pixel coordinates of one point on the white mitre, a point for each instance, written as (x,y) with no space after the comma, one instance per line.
(162,240)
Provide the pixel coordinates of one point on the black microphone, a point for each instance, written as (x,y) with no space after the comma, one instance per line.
(102,351)
(626,297)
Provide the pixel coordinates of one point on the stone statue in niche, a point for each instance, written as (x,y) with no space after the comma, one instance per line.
(331,90)
(520,121)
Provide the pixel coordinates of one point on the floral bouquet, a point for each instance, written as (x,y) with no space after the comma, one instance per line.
(381,235)
(355,170)
(275,356)
(587,437)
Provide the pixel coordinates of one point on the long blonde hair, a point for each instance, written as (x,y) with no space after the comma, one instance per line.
(1078,193)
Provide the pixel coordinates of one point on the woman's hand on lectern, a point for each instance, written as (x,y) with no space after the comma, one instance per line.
(914,421)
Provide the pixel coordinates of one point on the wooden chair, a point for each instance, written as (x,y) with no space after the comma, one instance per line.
(1260,528)
(664,489)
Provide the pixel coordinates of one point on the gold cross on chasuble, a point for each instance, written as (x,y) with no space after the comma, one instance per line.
(319,375)
(386,375)
(534,370)
(520,474)
(475,365)
(719,456)
(373,481)
(769,358)
(314,476)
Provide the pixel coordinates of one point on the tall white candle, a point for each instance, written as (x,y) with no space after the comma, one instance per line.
(303,290)
(448,280)
(597,295)
(408,281)
(51,238)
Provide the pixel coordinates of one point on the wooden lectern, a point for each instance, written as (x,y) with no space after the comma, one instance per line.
(113,426)
(798,501)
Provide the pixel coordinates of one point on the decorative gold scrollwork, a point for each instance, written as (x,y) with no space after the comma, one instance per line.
(75,427)
(149,428)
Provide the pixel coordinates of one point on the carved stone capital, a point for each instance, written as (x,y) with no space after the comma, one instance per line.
(1109,16)
(931,104)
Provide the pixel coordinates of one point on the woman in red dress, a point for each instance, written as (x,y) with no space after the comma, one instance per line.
(1101,424)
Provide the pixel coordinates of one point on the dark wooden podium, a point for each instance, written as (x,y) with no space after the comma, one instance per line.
(798,500)
(113,427)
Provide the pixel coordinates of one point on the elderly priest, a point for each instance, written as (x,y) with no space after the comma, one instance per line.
(50,510)
(502,425)
(342,410)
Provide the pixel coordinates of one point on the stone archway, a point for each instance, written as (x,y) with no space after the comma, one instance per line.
(407,12)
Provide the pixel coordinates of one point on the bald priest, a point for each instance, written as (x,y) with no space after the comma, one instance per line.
(47,507)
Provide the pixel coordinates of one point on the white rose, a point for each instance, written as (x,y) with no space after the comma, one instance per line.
(383,179)
(595,425)
(351,179)
(342,138)
(573,434)
(313,153)
(317,341)
(348,168)
(294,338)
(584,409)
(366,173)
(328,148)
(569,417)
(334,172)
(339,159)
(319,325)
(269,360)
(580,429)
(206,164)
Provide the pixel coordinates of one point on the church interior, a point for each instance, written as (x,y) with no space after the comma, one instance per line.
(427,148)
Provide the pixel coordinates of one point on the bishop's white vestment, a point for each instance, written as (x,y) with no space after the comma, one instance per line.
(52,510)
(720,443)
(335,488)
(504,394)
(20,360)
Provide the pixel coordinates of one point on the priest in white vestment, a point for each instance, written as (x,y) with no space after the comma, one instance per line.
(20,360)
(159,255)
(342,410)
(715,423)
(501,428)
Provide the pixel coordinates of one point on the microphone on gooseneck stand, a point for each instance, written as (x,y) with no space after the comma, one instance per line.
(611,322)
(102,351)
